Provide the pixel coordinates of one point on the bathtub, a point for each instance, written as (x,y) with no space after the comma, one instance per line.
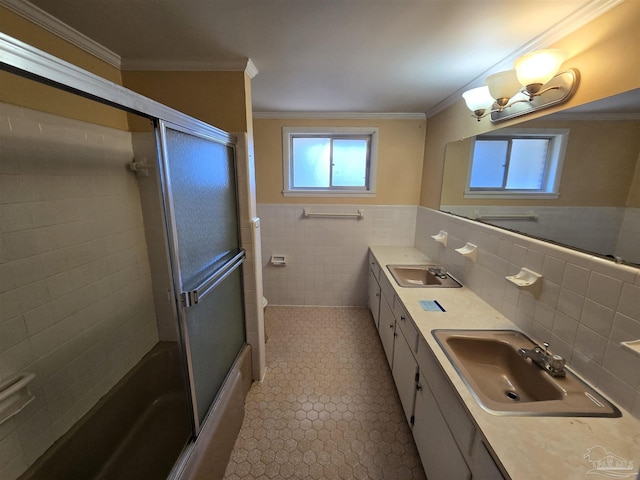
(136,431)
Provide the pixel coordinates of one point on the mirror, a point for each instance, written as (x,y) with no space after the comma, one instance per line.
(597,209)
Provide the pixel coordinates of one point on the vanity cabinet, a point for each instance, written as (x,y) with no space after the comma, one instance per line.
(374,298)
(449,443)
(387,329)
(404,372)
(438,450)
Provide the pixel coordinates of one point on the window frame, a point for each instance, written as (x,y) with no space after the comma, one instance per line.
(289,133)
(558,139)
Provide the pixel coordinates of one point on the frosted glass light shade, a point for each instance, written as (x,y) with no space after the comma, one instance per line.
(503,86)
(478,98)
(539,67)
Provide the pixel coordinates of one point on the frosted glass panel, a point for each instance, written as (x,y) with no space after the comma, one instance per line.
(216,335)
(311,167)
(203,192)
(527,163)
(489,162)
(349,163)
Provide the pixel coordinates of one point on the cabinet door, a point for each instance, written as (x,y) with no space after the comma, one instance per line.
(404,373)
(438,450)
(374,298)
(387,329)
(482,464)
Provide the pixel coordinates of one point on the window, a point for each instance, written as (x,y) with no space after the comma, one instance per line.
(337,161)
(517,163)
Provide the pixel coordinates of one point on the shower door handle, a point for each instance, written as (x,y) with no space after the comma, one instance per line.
(192,297)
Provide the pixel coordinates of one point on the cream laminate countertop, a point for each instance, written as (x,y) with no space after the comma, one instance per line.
(528,447)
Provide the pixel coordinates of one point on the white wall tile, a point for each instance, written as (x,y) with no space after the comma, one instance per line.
(325,256)
(73,246)
(604,290)
(629,303)
(553,269)
(570,303)
(587,306)
(623,363)
(597,317)
(576,278)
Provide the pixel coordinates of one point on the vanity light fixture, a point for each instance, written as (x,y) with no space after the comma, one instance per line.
(534,84)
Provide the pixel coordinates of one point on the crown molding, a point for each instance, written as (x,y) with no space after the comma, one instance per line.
(339,116)
(30,62)
(581,17)
(597,117)
(243,65)
(62,30)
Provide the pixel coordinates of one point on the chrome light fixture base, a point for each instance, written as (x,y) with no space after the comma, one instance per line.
(556,91)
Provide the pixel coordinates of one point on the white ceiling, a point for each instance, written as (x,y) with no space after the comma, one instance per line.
(357,56)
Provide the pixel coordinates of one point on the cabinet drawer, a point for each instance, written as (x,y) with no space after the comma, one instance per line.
(374,266)
(457,417)
(406,324)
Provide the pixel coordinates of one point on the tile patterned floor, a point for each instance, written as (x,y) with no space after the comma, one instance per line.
(327,408)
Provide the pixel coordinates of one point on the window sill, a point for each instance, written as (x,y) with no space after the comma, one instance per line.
(514,195)
(329,193)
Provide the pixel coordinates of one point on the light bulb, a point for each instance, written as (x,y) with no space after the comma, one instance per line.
(503,86)
(537,68)
(478,100)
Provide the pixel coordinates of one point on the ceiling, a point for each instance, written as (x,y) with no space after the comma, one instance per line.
(357,56)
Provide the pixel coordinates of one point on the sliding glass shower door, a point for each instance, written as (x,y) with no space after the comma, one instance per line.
(200,196)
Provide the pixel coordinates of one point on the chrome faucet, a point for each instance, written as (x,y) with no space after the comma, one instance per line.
(438,271)
(552,364)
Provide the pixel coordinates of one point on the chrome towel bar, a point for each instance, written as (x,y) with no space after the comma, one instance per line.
(360,215)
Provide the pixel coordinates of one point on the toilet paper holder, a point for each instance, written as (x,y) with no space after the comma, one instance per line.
(278,260)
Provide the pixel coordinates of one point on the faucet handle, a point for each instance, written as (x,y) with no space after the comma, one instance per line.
(546,347)
(557,363)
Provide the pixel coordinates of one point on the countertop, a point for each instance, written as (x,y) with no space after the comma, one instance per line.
(527,447)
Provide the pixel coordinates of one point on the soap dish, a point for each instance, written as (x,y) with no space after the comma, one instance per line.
(15,395)
(633,345)
(441,237)
(528,280)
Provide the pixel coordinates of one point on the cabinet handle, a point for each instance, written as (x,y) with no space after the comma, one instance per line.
(402,318)
(419,387)
(391,325)
(377,294)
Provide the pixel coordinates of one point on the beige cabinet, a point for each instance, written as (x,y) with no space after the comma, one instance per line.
(374,298)
(404,373)
(441,419)
(439,453)
(387,329)
(449,443)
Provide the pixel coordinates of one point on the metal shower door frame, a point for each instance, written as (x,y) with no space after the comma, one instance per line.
(186,298)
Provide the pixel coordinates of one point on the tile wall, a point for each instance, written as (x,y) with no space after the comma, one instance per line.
(326,257)
(587,305)
(76,306)
(145,151)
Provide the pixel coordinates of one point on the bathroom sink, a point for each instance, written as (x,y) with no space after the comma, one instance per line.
(422,276)
(505,383)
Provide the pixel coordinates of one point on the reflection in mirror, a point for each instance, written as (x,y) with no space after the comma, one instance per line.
(597,208)
(81,250)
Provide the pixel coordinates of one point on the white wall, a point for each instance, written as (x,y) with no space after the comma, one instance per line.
(76,306)
(586,308)
(326,257)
